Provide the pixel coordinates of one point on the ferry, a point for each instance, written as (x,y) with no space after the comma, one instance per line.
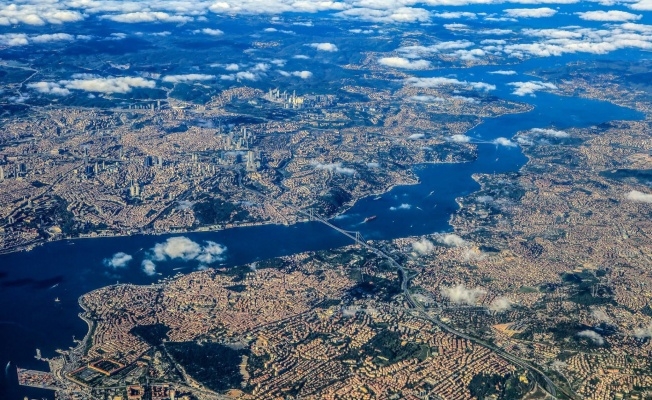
(373,217)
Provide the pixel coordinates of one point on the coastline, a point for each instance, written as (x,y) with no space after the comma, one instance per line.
(216,228)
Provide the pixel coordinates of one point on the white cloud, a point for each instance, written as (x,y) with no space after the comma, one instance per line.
(549,132)
(543,12)
(183,205)
(457,27)
(642,5)
(302,74)
(52,37)
(386,13)
(609,16)
(575,39)
(416,136)
(187,78)
(461,295)
(22,39)
(465,99)
(36,13)
(639,197)
(330,47)
(594,336)
(274,6)
(211,253)
(212,32)
(417,51)
(473,254)
(529,88)
(49,88)
(242,75)
(147,16)
(333,167)
(119,260)
(460,138)
(232,67)
(452,240)
(427,99)
(14,39)
(108,85)
(261,67)
(500,304)
(423,246)
(503,72)
(441,81)
(176,247)
(524,140)
(365,31)
(149,267)
(400,62)
(644,332)
(501,141)
(455,15)
(181,247)
(495,32)
(247,76)
(403,206)
(600,315)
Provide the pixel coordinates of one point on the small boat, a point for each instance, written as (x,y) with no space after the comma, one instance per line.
(373,217)
(56,300)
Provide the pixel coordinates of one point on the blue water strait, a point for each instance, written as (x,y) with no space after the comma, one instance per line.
(30,281)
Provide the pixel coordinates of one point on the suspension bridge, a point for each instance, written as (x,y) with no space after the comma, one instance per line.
(550,387)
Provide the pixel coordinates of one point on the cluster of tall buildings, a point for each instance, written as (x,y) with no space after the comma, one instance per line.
(150,161)
(149,106)
(15,171)
(289,101)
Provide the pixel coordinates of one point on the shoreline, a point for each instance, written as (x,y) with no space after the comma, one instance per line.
(31,245)
(216,228)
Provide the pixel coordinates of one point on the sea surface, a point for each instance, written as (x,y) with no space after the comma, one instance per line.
(30,318)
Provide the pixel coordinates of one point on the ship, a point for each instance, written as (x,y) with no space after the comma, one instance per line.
(373,217)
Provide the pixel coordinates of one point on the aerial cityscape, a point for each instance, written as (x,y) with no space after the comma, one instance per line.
(352,199)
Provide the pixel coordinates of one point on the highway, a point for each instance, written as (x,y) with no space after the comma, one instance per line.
(403,275)
(551,388)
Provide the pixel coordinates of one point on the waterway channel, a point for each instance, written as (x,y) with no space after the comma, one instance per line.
(31,281)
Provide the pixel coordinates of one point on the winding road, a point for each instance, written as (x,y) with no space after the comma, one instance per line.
(551,388)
